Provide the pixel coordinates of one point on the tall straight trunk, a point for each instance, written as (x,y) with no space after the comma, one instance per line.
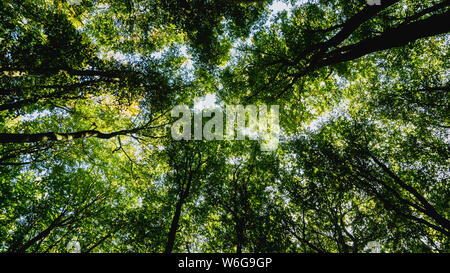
(176,216)
(174,226)
(239,236)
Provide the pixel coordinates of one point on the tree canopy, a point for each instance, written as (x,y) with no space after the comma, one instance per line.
(87,158)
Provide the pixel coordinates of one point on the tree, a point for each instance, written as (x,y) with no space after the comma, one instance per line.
(87,159)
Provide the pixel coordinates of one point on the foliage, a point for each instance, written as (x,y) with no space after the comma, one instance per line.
(86,155)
